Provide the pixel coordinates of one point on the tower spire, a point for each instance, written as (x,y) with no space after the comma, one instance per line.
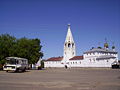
(69,37)
(69,46)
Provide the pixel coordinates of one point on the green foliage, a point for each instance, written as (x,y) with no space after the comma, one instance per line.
(6,44)
(2,62)
(42,64)
(24,48)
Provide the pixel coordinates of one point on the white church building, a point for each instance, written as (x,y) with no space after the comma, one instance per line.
(95,57)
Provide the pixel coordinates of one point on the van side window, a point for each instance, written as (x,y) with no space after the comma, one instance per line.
(17,62)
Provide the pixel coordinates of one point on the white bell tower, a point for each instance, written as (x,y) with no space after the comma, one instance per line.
(69,46)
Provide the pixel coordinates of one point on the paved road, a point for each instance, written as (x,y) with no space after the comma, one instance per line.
(62,79)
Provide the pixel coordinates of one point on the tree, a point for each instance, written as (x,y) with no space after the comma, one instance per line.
(42,64)
(24,48)
(6,44)
(30,49)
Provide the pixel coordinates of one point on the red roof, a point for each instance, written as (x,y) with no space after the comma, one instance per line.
(77,58)
(55,59)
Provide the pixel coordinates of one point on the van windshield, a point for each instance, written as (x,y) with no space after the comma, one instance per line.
(12,61)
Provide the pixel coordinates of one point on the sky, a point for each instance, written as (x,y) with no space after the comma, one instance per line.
(91,22)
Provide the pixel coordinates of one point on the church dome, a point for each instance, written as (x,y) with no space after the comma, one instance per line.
(106,45)
(113,47)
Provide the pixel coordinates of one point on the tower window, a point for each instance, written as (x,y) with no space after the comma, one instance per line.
(73,45)
(68,44)
(65,44)
(73,53)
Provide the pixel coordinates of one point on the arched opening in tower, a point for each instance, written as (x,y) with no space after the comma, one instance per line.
(69,45)
(72,44)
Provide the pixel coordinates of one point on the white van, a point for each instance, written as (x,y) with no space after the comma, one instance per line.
(15,64)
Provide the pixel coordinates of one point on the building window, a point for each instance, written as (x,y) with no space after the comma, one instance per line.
(90,60)
(94,59)
(80,62)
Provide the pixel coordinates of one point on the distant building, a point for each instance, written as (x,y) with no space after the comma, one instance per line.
(96,57)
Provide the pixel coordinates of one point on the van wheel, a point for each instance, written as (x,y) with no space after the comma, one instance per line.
(7,71)
(17,70)
(24,69)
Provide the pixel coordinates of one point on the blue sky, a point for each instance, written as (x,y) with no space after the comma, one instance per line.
(91,22)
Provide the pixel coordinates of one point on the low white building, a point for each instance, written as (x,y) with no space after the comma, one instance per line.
(96,57)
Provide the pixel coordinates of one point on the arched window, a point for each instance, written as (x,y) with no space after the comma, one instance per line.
(72,44)
(73,53)
(65,44)
(69,44)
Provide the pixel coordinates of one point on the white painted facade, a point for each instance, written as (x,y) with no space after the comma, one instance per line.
(96,57)
(53,64)
(69,47)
